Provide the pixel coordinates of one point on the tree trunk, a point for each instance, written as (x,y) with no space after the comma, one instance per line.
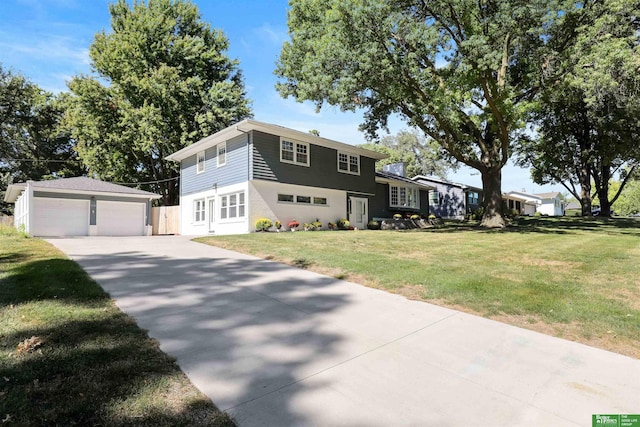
(585,191)
(492,198)
(603,193)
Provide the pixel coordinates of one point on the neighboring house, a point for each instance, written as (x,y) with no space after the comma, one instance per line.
(80,207)
(254,170)
(550,204)
(450,200)
(521,204)
(397,194)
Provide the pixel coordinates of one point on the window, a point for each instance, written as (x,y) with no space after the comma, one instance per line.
(198,210)
(406,197)
(348,163)
(232,206)
(319,200)
(285,198)
(294,152)
(200,162)
(472,198)
(434,198)
(303,199)
(222,154)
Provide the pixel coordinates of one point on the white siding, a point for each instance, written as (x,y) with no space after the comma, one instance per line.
(264,204)
(188,225)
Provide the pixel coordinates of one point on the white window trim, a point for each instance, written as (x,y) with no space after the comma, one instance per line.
(349,156)
(408,189)
(218,147)
(236,218)
(295,151)
(204,162)
(196,210)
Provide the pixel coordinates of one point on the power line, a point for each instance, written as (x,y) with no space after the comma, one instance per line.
(41,160)
(148,182)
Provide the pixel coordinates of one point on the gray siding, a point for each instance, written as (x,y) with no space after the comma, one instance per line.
(451,201)
(322,170)
(234,171)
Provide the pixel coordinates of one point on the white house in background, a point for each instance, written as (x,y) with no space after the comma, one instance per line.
(546,203)
(80,207)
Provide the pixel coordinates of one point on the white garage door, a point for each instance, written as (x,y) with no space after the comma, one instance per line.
(120,218)
(60,217)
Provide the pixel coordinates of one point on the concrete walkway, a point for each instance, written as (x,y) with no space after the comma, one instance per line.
(278,346)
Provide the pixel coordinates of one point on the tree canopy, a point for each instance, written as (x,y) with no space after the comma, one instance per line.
(163,82)
(33,145)
(588,114)
(462,71)
(421,156)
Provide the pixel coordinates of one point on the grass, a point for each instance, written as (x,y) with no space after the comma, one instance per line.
(575,278)
(69,356)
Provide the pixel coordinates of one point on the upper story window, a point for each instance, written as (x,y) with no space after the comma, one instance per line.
(348,163)
(222,154)
(200,162)
(403,197)
(294,152)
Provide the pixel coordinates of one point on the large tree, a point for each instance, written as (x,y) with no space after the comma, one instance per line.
(33,145)
(588,115)
(420,155)
(163,82)
(463,71)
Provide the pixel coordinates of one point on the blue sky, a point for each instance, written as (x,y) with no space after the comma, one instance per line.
(48,42)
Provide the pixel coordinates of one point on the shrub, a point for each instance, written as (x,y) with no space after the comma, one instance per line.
(343,224)
(397,216)
(373,225)
(537,214)
(432,216)
(263,224)
(278,225)
(331,226)
(477,214)
(317,225)
(415,217)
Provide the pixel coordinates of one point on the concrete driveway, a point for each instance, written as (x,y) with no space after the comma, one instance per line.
(278,346)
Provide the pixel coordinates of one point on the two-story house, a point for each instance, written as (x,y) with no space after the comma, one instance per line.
(254,170)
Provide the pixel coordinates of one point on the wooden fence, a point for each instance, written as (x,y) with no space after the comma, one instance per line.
(165,220)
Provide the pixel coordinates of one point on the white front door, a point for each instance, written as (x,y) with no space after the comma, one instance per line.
(212,215)
(358,214)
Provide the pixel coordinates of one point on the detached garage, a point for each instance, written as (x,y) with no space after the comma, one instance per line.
(80,207)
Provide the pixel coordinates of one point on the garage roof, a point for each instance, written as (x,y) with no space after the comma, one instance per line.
(81,185)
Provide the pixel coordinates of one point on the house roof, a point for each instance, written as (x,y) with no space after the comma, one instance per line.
(82,185)
(386,177)
(442,181)
(249,125)
(551,195)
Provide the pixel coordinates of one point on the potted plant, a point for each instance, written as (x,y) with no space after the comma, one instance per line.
(293,225)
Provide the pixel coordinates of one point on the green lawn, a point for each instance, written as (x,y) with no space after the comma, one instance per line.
(69,356)
(576,278)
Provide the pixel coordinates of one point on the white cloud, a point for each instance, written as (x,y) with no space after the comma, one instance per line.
(273,35)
